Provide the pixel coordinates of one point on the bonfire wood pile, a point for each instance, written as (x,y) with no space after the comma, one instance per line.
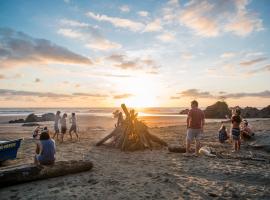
(132,134)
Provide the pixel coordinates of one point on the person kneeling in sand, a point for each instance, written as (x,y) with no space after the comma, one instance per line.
(45,150)
(195,123)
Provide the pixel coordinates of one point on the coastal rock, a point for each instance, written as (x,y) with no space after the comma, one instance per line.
(265,112)
(250,112)
(31,118)
(184,112)
(218,110)
(48,117)
(31,124)
(16,121)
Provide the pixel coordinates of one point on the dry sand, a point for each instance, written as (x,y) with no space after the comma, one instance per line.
(155,174)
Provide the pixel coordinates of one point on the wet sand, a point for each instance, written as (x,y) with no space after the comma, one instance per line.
(156,174)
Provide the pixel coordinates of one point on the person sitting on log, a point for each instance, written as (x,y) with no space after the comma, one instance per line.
(222,134)
(45,149)
(246,132)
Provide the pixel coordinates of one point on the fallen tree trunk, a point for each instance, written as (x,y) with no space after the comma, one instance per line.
(30,172)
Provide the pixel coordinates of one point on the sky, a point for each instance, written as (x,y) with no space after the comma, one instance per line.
(151,53)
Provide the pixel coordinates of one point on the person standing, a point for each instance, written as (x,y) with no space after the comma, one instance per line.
(195,125)
(56,123)
(63,122)
(73,126)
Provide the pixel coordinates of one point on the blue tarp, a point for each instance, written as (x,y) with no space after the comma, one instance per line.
(8,149)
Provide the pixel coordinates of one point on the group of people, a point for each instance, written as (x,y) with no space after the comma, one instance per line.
(240,129)
(45,150)
(63,125)
(45,145)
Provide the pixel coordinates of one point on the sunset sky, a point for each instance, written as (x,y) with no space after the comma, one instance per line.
(95,53)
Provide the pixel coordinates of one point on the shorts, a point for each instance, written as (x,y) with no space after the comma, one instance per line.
(56,129)
(63,130)
(44,162)
(73,128)
(194,133)
(235,133)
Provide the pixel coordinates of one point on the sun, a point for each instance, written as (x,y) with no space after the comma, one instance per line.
(143,90)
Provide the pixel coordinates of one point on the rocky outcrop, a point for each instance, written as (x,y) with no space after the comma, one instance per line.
(48,117)
(34,118)
(184,112)
(250,112)
(31,118)
(16,121)
(218,110)
(265,112)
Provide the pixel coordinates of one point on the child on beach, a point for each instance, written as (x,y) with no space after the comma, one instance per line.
(222,134)
(63,123)
(235,132)
(73,126)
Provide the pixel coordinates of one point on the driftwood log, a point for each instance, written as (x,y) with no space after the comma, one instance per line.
(30,172)
(131,134)
(177,149)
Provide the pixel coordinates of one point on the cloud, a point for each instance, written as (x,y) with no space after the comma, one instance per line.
(18,48)
(175,97)
(195,93)
(143,13)
(187,56)
(6,92)
(124,8)
(103,45)
(260,70)
(128,65)
(227,55)
(122,96)
(74,23)
(211,18)
(2,76)
(264,94)
(166,37)
(37,80)
(244,22)
(123,62)
(9,93)
(153,26)
(90,35)
(252,62)
(90,95)
(117,22)
(70,33)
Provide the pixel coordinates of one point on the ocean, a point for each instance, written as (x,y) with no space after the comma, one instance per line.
(103,112)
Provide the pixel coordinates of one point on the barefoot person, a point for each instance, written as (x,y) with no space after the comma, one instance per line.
(45,150)
(63,123)
(195,123)
(56,123)
(235,131)
(73,126)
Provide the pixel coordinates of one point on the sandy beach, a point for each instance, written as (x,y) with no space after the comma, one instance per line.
(156,174)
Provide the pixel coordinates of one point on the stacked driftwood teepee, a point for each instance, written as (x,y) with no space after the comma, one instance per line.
(130,134)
